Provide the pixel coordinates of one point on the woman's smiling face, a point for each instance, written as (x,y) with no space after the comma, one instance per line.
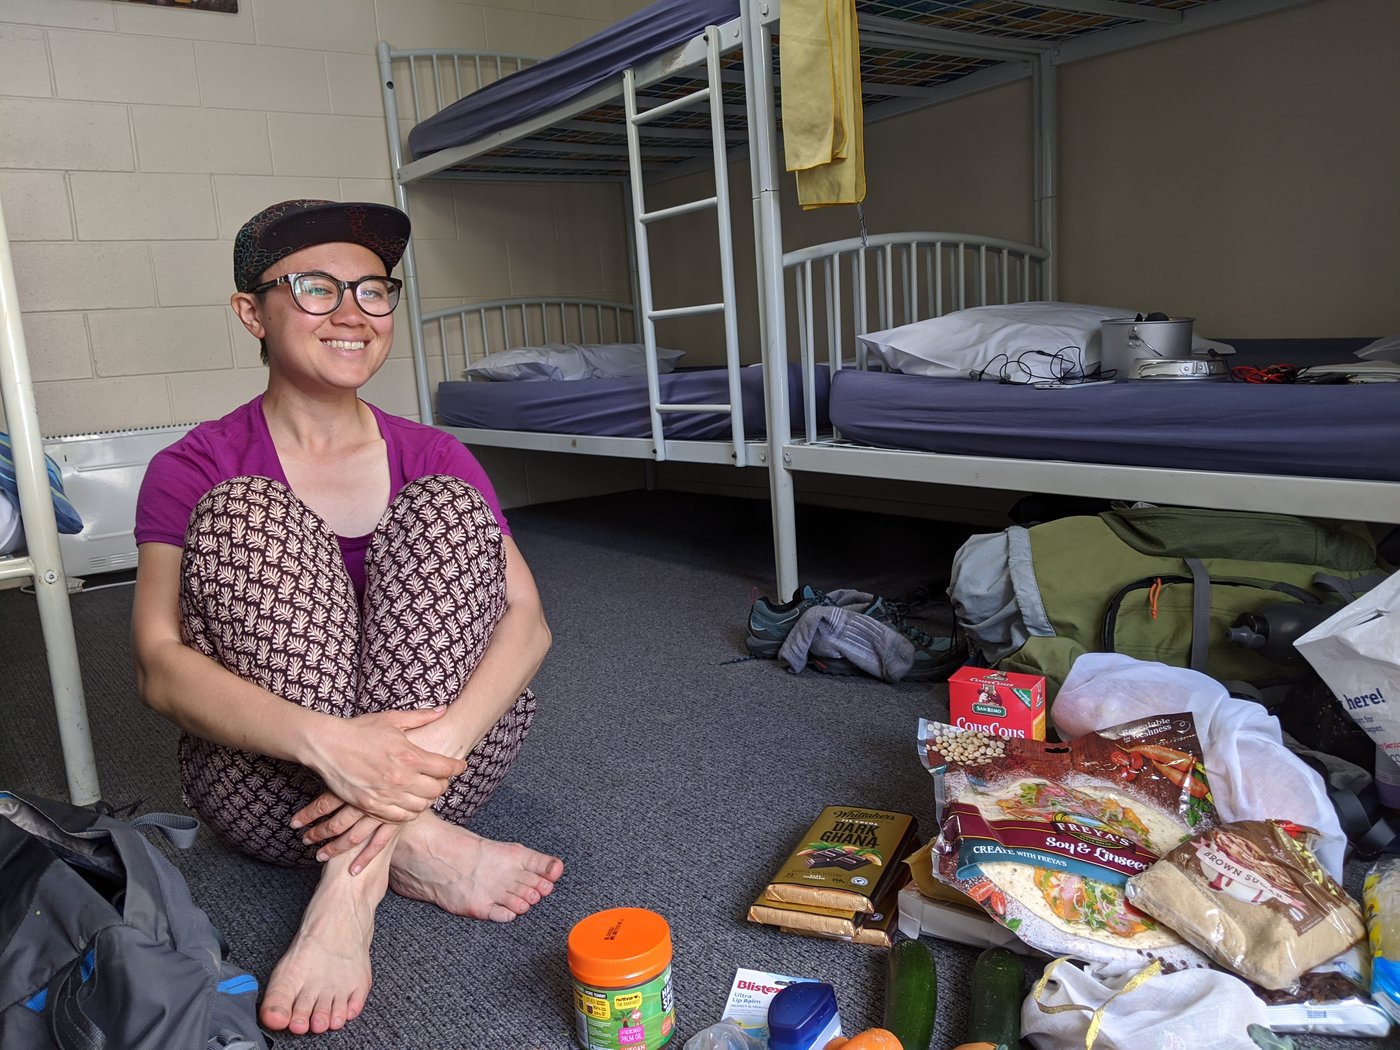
(342,349)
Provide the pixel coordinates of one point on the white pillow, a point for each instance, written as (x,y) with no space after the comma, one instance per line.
(1001,340)
(571,361)
(11,525)
(1386,348)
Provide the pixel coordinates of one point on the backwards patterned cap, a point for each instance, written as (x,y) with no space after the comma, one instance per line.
(277,231)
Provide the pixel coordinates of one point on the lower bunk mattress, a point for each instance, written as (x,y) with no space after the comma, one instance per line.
(620,407)
(1311,430)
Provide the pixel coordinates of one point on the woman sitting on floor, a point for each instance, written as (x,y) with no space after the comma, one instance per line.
(330,606)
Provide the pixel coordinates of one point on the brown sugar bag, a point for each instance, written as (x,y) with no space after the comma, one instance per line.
(1251,895)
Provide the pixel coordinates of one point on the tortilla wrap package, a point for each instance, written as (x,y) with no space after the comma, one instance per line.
(1044,836)
(1239,736)
(1356,651)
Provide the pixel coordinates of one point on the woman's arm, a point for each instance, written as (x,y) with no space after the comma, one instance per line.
(368,760)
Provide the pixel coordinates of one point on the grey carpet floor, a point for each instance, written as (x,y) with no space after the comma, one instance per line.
(668,773)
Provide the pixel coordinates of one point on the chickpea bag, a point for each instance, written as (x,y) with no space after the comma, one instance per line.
(1251,895)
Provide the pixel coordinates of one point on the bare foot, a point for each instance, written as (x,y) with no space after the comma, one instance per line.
(465,874)
(322,981)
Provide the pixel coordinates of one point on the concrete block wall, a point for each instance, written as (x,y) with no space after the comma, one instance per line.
(136,139)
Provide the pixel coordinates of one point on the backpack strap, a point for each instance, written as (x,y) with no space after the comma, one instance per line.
(73,1029)
(1349,589)
(1366,838)
(178,828)
(1200,613)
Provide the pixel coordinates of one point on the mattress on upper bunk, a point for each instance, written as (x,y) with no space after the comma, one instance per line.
(545,85)
(620,407)
(1300,429)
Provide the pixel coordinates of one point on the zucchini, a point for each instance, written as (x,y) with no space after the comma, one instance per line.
(911,994)
(998,989)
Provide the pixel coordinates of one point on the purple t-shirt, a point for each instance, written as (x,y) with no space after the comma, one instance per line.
(240,445)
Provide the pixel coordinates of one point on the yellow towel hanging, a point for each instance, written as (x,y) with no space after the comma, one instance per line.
(819,71)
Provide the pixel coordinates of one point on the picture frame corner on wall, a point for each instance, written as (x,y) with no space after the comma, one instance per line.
(228,7)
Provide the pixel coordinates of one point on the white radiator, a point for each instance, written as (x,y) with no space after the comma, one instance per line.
(101,476)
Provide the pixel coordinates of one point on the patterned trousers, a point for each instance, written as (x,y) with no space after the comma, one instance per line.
(265,593)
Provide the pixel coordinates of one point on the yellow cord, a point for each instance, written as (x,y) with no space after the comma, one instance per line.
(1136,981)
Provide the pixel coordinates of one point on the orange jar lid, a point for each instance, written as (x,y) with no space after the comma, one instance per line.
(619,947)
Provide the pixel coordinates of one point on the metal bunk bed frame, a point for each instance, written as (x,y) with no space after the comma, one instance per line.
(43,562)
(1039,61)
(751,34)
(958,51)
(896,301)
(704,51)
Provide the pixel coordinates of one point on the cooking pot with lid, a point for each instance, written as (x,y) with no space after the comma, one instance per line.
(1127,339)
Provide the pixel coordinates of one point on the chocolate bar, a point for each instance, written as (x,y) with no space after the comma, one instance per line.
(845,860)
(836,857)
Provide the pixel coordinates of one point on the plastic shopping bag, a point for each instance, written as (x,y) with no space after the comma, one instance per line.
(1357,653)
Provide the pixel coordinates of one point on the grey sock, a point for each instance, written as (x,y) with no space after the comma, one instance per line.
(837,631)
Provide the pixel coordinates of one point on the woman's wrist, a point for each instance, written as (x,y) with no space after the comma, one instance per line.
(447,736)
(311,732)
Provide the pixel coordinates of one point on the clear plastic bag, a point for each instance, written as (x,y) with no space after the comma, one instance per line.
(1252,896)
(723,1036)
(1381,897)
(1331,1000)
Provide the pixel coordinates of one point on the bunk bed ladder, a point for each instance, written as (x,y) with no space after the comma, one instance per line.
(641,219)
(43,564)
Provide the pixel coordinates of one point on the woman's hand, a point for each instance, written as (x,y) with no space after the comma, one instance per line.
(371,763)
(339,827)
(342,828)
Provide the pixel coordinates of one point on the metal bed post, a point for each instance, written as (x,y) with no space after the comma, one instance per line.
(768,248)
(1046,152)
(835,347)
(43,563)
(633,276)
(410,264)
(725,229)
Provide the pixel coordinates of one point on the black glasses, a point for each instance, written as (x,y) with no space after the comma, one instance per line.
(320,293)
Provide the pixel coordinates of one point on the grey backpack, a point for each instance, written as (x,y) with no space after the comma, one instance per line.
(101,945)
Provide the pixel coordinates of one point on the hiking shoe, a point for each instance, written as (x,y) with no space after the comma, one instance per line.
(769,624)
(935,656)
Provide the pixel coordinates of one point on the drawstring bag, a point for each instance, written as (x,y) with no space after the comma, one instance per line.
(1126,1006)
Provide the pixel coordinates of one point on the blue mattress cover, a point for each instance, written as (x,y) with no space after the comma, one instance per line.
(1340,431)
(539,88)
(619,407)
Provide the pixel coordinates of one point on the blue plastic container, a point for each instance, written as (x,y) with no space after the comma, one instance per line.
(803,1017)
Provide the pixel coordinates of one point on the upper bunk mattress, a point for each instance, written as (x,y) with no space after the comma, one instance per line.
(1336,431)
(620,407)
(539,88)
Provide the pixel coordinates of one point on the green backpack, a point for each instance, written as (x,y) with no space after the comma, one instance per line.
(1158,583)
